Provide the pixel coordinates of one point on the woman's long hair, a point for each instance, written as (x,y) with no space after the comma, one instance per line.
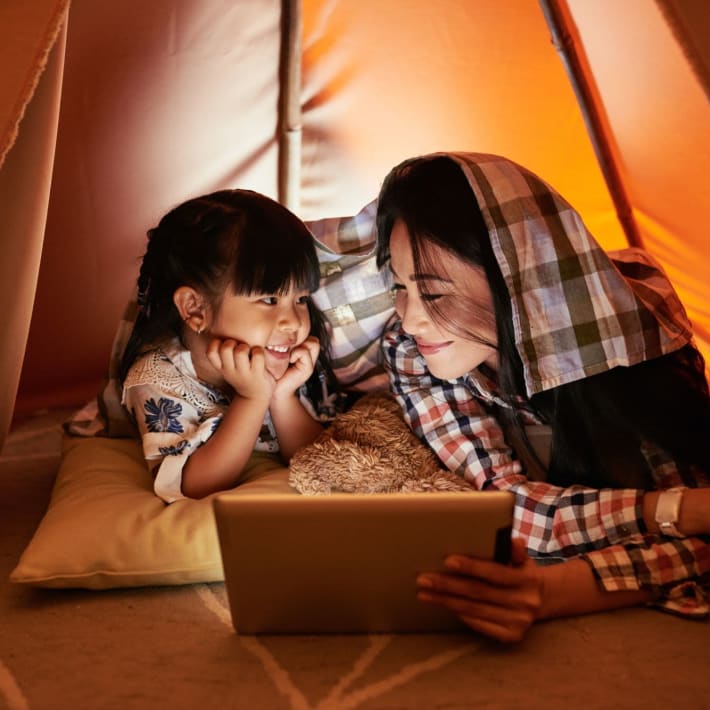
(600,422)
(236,238)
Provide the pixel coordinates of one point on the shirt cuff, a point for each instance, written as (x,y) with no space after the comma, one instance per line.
(613,568)
(621,513)
(687,599)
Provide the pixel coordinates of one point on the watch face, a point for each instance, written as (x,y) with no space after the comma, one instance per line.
(667,510)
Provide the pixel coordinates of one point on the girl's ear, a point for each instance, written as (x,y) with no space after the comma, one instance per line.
(192,308)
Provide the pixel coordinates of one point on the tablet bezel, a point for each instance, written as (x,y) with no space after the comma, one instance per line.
(347,563)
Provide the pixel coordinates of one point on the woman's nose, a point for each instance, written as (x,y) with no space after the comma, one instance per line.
(413,314)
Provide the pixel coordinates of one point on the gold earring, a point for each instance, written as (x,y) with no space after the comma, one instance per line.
(199,330)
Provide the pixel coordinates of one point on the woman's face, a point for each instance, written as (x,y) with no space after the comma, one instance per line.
(456,288)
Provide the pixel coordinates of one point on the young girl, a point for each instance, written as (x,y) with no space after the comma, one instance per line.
(227,354)
(512,321)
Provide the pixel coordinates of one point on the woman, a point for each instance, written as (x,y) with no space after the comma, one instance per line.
(512,319)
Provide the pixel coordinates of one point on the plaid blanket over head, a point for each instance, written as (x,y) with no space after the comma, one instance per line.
(576,310)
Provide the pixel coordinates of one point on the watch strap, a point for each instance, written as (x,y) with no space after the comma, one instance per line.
(667,511)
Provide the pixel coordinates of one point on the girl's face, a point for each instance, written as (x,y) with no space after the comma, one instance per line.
(276,323)
(457,289)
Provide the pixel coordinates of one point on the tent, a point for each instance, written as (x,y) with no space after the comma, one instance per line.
(111,113)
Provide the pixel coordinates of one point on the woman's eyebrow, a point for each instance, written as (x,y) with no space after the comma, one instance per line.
(421,277)
(430,277)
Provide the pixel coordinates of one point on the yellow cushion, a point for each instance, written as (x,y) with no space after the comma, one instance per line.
(105,527)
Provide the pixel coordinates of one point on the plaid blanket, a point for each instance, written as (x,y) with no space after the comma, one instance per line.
(576,313)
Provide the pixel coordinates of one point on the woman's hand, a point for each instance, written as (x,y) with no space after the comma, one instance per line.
(501,601)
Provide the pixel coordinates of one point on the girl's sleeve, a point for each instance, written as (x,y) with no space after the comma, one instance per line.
(171,429)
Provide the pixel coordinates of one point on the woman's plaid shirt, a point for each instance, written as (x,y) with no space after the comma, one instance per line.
(605,527)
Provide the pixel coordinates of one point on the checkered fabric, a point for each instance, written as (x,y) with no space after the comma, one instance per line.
(575,317)
(354,295)
(576,313)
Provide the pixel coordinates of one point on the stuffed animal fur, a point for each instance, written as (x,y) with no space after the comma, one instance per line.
(370,449)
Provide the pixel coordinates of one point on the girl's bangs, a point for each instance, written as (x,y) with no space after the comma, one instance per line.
(274,266)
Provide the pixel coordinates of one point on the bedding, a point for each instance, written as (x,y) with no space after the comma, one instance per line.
(105,528)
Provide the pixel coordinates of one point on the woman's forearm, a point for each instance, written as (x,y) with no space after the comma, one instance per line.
(570,589)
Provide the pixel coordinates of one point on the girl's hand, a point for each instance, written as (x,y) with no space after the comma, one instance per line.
(501,601)
(301,364)
(243,367)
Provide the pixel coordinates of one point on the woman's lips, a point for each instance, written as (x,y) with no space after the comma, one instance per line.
(431,348)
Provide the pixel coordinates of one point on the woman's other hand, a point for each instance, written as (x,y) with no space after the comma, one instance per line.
(497,600)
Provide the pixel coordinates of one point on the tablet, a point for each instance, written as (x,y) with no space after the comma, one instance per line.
(347,563)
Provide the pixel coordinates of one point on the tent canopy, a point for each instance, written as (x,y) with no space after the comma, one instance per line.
(110,114)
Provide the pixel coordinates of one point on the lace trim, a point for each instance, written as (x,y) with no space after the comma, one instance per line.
(158,369)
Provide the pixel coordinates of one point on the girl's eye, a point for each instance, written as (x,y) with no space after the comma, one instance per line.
(269,300)
(432,296)
(303,300)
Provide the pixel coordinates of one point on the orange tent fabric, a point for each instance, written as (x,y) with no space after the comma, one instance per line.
(143,105)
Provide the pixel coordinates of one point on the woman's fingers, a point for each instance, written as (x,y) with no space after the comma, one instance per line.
(501,601)
(518,551)
(507,633)
(506,619)
(525,594)
(493,572)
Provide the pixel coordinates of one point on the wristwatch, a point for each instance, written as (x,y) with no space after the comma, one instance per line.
(667,509)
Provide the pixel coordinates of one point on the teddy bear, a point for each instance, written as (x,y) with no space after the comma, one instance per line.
(370,449)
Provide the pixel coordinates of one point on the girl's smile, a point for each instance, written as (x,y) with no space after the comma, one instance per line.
(278,323)
(279,353)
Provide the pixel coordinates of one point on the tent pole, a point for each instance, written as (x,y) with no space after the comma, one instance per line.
(289,128)
(560,25)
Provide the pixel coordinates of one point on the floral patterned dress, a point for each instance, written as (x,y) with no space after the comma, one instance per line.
(176,412)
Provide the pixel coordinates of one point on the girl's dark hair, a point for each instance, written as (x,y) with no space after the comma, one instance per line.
(600,422)
(236,238)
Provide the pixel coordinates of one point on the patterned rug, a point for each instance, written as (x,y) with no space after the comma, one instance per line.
(174,647)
